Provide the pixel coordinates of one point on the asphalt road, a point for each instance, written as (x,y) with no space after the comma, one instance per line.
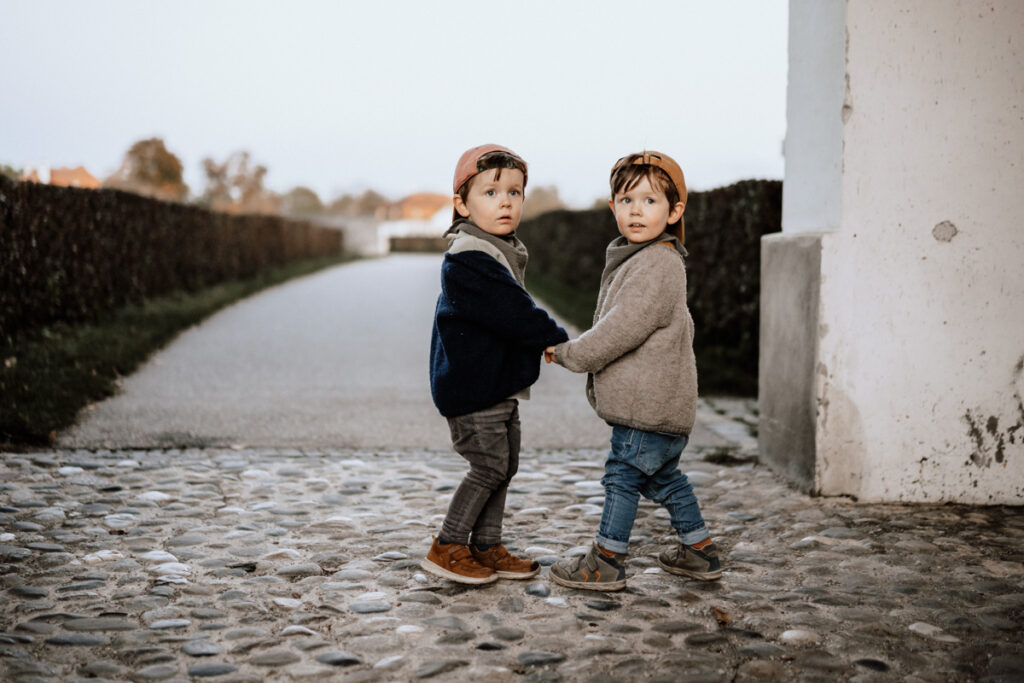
(338,359)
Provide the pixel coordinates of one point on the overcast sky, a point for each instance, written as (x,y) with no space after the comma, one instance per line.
(343,96)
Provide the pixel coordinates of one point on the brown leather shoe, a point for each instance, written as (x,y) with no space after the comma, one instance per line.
(454,561)
(505,564)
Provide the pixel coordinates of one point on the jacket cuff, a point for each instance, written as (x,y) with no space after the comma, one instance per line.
(560,350)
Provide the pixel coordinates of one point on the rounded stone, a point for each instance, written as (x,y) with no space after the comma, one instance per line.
(540,658)
(446,622)
(163,624)
(508,634)
(763,650)
(352,575)
(840,533)
(102,669)
(369,607)
(709,638)
(538,589)
(201,648)
(210,669)
(86,639)
(99,624)
(873,664)
(799,637)
(675,627)
(185,540)
(156,672)
(435,668)
(391,556)
(300,570)
(762,669)
(421,597)
(278,657)
(338,658)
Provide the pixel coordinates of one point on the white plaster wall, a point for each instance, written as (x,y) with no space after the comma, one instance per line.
(921,344)
(814,103)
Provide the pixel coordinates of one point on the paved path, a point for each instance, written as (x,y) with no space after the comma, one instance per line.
(337,359)
(244,562)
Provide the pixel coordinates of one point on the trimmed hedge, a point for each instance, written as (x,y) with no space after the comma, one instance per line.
(68,255)
(723,236)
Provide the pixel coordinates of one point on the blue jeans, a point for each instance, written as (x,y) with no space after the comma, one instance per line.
(646,463)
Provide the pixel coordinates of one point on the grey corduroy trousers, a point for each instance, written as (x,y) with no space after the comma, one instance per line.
(489,441)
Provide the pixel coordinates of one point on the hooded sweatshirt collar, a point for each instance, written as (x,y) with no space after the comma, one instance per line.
(511,247)
(620,250)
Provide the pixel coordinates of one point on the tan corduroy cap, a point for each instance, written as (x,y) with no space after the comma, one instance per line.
(658,160)
(468,165)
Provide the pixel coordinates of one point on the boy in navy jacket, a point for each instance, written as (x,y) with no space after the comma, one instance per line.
(485,354)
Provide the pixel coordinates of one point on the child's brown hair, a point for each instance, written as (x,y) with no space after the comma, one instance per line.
(482,158)
(498,159)
(661,171)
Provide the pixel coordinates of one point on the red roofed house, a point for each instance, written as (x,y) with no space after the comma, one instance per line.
(419,206)
(64,177)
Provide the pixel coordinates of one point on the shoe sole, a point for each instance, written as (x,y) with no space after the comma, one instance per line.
(589,585)
(517,576)
(700,576)
(438,570)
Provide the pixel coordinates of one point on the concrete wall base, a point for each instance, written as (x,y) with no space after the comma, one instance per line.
(790,311)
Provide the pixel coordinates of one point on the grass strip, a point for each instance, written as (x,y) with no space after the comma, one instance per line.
(573,304)
(46,378)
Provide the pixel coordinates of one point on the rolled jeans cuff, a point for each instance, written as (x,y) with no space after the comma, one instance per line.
(695,536)
(621,547)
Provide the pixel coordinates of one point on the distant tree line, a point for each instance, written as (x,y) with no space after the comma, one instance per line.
(236,185)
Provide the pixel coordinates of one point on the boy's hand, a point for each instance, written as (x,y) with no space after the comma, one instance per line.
(549,354)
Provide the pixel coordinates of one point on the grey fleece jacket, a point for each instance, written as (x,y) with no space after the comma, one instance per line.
(639,351)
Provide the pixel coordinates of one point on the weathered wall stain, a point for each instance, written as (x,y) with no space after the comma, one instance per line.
(992,443)
(944,231)
(841,464)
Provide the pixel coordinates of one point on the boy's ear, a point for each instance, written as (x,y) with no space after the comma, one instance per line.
(460,206)
(611,205)
(676,213)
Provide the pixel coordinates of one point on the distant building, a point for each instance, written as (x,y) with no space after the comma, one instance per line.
(63,177)
(416,222)
(419,206)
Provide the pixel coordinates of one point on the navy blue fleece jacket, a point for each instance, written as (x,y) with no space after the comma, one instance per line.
(488,336)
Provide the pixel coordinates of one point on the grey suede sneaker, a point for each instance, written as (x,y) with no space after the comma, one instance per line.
(685,560)
(595,571)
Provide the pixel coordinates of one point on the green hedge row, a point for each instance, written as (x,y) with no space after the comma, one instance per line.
(67,254)
(723,236)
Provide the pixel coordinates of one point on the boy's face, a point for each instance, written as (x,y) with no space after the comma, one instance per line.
(494,204)
(643,212)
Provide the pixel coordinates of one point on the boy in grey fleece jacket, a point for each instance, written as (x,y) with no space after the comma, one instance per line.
(642,377)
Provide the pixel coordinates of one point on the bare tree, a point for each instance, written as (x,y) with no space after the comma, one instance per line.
(541,200)
(365,204)
(236,186)
(9,171)
(301,201)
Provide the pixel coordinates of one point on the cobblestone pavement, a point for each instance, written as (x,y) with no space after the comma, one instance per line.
(271,564)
